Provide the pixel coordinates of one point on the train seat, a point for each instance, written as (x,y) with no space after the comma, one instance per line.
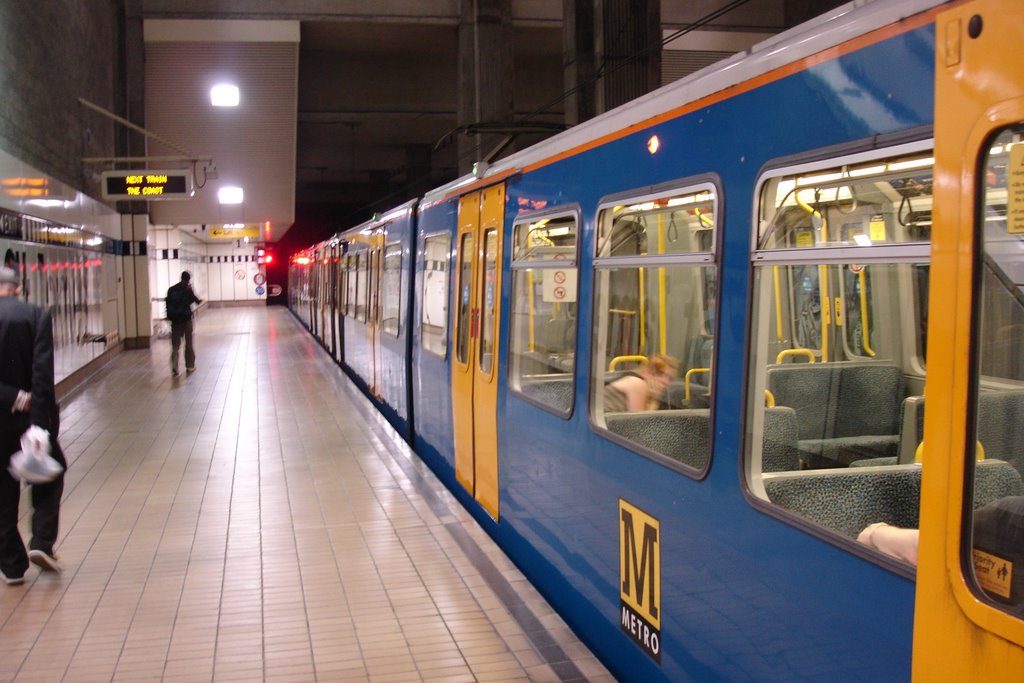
(780,451)
(682,435)
(554,392)
(845,411)
(848,500)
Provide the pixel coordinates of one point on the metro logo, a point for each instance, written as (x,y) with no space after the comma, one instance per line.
(640,577)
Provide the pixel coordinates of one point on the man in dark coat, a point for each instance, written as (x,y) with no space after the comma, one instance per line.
(180,298)
(27,398)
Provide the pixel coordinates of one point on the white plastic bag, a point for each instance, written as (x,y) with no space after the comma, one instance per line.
(33,463)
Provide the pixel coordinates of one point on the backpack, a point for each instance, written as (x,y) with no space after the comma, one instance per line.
(179,303)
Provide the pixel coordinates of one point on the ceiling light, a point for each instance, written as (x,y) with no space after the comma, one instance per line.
(224,95)
(230,195)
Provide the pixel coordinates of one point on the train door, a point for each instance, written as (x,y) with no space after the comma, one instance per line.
(475,357)
(340,287)
(970,589)
(331,290)
(373,327)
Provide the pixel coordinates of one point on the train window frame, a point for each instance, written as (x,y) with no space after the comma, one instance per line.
(691,191)
(997,293)
(523,264)
(441,348)
(910,254)
(391,301)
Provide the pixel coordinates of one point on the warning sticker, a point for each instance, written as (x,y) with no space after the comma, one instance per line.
(994,573)
(876,228)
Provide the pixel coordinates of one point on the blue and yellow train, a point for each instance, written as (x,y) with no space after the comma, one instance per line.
(821,240)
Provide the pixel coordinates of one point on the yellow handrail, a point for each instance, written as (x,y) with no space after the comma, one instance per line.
(769,398)
(686,380)
(778,304)
(625,359)
(529,299)
(643,312)
(661,286)
(979,452)
(704,218)
(814,212)
(826,310)
(864,329)
(786,353)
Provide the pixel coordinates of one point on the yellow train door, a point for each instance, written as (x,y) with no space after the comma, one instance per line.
(964,628)
(475,344)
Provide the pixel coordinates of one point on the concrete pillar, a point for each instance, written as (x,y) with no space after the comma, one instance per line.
(628,45)
(485,65)
(136,317)
(579,60)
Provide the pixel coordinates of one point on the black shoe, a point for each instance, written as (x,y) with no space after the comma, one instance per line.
(190,370)
(14,580)
(174,372)
(45,561)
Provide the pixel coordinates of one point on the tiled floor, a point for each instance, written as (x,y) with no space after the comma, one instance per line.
(253,521)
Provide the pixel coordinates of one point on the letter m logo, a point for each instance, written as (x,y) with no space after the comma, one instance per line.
(640,562)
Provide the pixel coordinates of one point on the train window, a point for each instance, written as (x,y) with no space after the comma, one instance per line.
(342,285)
(655,302)
(995,514)
(542,349)
(434,319)
(362,291)
(488,305)
(462,312)
(391,286)
(835,404)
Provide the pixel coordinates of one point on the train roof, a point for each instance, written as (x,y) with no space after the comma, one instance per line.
(844,23)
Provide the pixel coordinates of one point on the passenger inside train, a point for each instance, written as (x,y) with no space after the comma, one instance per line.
(998,543)
(643,389)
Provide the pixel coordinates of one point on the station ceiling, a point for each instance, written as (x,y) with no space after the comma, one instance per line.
(347,108)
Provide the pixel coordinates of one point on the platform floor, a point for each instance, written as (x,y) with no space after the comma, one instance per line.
(257,521)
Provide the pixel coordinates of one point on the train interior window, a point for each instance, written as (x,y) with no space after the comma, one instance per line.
(362,290)
(996,511)
(488,304)
(542,348)
(434,318)
(465,283)
(835,406)
(655,301)
(342,283)
(391,295)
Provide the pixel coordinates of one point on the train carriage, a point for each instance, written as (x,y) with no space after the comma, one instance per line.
(813,241)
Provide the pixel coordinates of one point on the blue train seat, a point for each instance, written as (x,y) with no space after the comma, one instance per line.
(848,500)
(845,411)
(556,392)
(780,450)
(683,435)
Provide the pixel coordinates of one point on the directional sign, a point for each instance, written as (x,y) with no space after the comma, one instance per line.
(147,184)
(234,231)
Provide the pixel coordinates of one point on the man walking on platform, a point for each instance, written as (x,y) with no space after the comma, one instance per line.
(180,298)
(27,398)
